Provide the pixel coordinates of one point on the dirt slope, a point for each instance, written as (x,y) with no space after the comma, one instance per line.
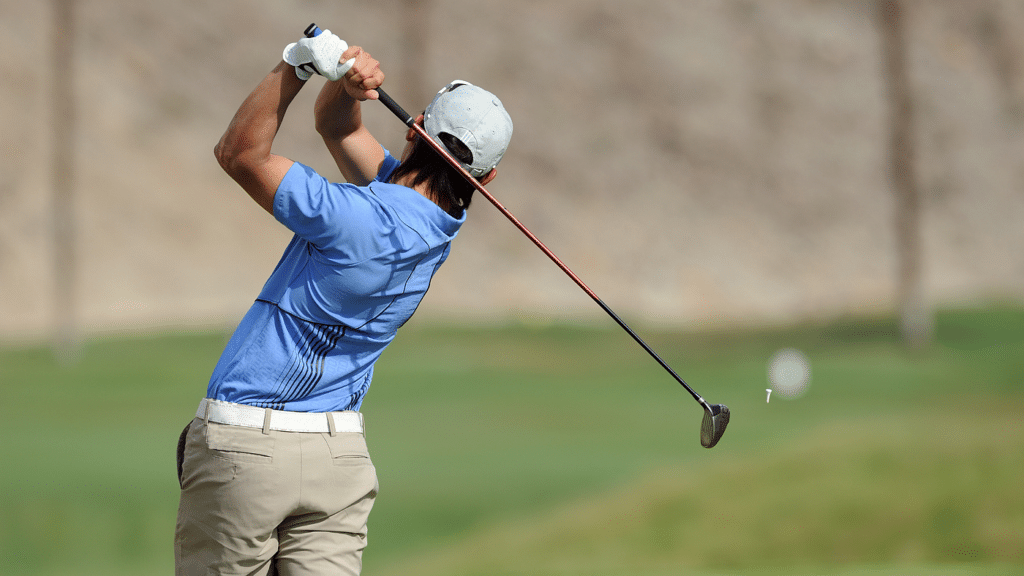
(694,162)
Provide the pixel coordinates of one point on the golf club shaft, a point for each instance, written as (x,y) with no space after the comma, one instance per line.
(558,262)
(409,121)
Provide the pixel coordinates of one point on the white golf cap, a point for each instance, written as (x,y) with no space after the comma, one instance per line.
(476,118)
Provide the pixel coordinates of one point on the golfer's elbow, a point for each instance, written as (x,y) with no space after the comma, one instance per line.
(225,154)
(233,158)
(323,125)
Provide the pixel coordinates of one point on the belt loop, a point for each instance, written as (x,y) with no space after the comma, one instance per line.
(330,424)
(362,423)
(266,421)
(206,412)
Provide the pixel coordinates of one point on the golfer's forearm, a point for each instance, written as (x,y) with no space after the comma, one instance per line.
(337,114)
(248,139)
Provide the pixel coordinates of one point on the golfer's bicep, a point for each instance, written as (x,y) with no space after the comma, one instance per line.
(261,182)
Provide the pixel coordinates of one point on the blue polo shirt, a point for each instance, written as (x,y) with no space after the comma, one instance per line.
(358,266)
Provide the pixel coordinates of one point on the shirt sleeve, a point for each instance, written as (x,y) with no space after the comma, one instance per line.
(387,167)
(331,216)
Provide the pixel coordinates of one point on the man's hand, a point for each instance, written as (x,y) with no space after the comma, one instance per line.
(364,77)
(320,54)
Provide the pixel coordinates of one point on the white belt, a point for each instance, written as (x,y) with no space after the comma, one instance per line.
(252,417)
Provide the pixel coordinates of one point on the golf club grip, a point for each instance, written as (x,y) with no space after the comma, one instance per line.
(394,107)
(313,30)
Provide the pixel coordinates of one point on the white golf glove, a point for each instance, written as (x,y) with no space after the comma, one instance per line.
(320,54)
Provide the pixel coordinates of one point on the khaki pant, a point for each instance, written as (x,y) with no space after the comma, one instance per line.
(285,503)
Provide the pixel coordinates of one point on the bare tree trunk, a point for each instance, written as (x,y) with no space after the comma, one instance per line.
(915,318)
(65,338)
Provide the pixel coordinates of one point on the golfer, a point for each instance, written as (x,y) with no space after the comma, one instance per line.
(274,470)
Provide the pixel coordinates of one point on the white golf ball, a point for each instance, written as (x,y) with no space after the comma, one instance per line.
(789,372)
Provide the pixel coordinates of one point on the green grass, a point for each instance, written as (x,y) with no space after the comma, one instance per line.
(566,451)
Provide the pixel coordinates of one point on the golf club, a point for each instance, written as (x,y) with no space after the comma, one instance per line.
(716,416)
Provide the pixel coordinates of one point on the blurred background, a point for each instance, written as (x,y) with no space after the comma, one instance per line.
(733,177)
(696,163)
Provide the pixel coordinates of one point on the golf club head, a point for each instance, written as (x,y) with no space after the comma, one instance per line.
(716,418)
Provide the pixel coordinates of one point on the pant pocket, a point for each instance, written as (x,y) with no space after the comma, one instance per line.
(239,444)
(347,448)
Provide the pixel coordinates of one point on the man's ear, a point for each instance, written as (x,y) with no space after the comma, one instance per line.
(410,134)
(486,178)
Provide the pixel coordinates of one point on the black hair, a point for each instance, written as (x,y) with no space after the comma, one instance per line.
(450,189)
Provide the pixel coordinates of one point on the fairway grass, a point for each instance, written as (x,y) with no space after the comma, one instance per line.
(566,451)
(930,490)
